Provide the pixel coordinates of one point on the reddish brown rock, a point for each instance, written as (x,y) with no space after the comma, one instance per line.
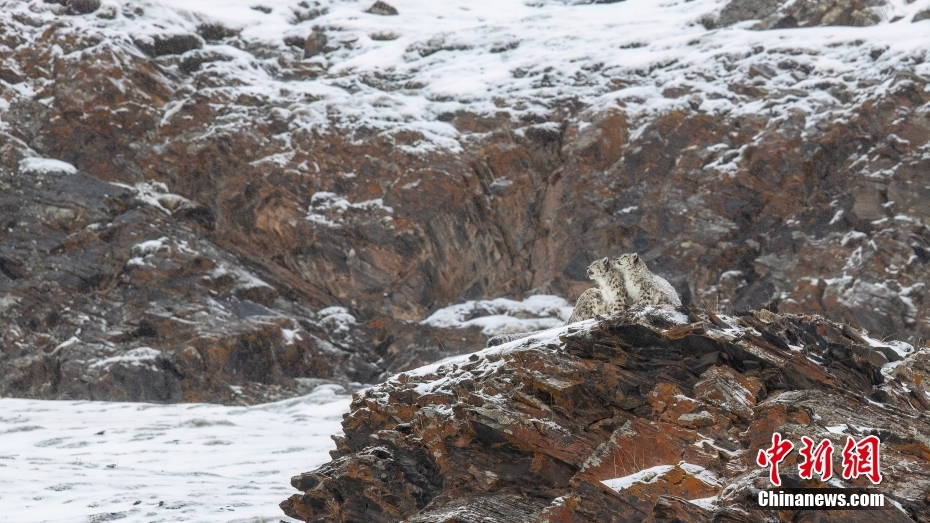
(537,430)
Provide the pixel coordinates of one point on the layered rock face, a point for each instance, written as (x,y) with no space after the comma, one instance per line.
(280,177)
(669,408)
(118,292)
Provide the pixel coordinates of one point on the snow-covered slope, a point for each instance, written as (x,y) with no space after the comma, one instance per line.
(527,59)
(65,461)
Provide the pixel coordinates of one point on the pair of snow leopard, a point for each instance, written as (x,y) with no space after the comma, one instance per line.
(622,282)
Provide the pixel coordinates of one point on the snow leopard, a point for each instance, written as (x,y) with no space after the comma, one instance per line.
(590,303)
(642,286)
(611,283)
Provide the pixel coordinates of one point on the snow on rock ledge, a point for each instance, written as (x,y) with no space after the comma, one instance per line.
(45,166)
(631,418)
(503,316)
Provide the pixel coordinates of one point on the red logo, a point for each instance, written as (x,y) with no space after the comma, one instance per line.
(774,455)
(819,460)
(861,459)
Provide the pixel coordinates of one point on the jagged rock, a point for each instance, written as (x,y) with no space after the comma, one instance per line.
(168,44)
(671,407)
(216,31)
(382,8)
(295,41)
(739,11)
(779,14)
(304,12)
(82,7)
(315,43)
(175,317)
(192,61)
(10,76)
(922,15)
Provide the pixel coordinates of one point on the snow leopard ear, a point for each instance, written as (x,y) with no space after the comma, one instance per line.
(635,258)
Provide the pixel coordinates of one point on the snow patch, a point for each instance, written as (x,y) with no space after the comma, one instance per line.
(140,357)
(651,474)
(290,336)
(67,343)
(45,166)
(189,462)
(142,252)
(503,316)
(901,348)
(330,209)
(485,356)
(644,476)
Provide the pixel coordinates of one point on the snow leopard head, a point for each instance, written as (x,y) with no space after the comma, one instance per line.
(598,269)
(630,263)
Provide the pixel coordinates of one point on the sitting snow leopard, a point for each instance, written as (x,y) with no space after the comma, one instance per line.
(611,283)
(642,286)
(590,303)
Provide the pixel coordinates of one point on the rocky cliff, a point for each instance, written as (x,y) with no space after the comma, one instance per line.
(646,415)
(251,195)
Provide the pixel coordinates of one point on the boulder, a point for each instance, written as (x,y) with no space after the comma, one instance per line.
(779,14)
(82,7)
(382,8)
(168,44)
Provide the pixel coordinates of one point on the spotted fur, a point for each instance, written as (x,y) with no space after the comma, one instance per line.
(642,286)
(589,304)
(611,283)
(609,295)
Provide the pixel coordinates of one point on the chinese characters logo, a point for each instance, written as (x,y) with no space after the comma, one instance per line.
(860,458)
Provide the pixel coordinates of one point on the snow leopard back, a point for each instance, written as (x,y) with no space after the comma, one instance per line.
(589,304)
(644,287)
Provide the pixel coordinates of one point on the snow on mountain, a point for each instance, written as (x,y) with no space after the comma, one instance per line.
(526,59)
(99,461)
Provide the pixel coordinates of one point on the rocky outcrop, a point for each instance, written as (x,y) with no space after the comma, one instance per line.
(671,408)
(382,8)
(775,14)
(117,292)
